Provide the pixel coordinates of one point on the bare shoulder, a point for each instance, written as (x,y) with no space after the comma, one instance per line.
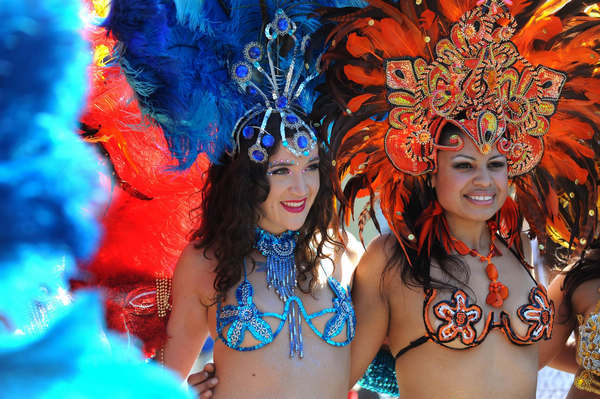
(555,289)
(378,253)
(586,297)
(341,258)
(377,256)
(354,249)
(350,255)
(195,270)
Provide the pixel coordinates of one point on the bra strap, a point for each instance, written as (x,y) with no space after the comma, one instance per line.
(519,257)
(244,267)
(413,344)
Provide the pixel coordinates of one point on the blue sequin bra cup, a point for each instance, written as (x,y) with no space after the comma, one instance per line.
(234,321)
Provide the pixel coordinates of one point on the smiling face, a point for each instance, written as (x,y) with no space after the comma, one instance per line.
(470,186)
(294,184)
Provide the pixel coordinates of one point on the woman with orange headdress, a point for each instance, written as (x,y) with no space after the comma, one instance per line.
(440,111)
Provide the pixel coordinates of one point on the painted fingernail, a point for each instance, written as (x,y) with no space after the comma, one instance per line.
(213,381)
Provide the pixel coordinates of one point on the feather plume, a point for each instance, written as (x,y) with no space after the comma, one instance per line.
(557,34)
(177,55)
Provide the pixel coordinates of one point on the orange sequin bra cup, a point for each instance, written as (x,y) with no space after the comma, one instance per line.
(588,352)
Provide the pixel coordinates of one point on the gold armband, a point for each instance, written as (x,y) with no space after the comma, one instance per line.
(588,352)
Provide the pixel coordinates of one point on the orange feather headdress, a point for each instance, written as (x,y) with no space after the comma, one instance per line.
(397,72)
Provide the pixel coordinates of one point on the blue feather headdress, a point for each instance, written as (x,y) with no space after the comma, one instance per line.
(178,55)
(283,80)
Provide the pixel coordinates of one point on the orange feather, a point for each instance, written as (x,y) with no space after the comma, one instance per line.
(360,76)
(358,101)
(360,46)
(588,86)
(454,9)
(519,6)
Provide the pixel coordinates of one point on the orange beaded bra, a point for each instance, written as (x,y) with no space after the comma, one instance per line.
(459,317)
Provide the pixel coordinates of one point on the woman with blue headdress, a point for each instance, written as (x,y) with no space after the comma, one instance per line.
(266,273)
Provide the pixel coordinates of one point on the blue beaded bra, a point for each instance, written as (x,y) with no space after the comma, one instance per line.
(234,321)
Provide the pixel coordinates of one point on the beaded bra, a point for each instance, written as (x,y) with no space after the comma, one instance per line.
(458,318)
(234,321)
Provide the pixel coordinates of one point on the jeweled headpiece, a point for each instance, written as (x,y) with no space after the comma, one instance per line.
(177,56)
(278,86)
(477,81)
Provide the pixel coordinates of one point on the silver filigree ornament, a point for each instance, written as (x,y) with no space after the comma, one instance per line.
(278,87)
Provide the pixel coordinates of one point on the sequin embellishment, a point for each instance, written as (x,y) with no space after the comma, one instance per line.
(246,317)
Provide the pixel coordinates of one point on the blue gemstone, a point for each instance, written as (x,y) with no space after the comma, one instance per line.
(254,52)
(251,90)
(282,24)
(259,156)
(291,119)
(241,71)
(246,314)
(282,102)
(268,140)
(302,142)
(248,132)
(307,43)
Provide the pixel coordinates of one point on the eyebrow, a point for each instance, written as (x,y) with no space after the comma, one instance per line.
(282,162)
(289,162)
(473,158)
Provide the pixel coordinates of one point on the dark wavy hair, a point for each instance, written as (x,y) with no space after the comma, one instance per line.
(234,189)
(585,269)
(417,272)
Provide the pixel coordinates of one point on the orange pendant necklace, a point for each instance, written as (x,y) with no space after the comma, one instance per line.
(498,292)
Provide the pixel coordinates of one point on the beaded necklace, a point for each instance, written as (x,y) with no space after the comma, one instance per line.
(280,252)
(498,292)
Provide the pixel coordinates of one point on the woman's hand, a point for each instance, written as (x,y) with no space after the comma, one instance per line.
(204,381)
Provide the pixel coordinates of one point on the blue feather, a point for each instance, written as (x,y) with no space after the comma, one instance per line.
(47,175)
(73,355)
(176,55)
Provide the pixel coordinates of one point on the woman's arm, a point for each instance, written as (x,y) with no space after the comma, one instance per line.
(563,326)
(187,328)
(565,360)
(371,307)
